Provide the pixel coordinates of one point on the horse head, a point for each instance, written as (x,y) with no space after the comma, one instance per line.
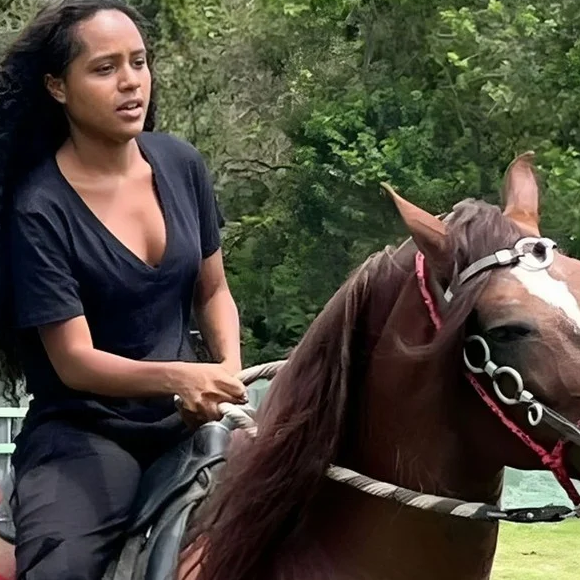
(523,321)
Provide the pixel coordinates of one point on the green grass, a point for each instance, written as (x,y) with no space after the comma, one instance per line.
(538,552)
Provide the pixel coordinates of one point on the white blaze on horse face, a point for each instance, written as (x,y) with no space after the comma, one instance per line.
(553,292)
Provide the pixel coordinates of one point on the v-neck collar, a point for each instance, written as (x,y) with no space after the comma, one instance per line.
(160,188)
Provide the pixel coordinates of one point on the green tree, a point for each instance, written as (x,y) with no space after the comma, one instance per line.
(301,107)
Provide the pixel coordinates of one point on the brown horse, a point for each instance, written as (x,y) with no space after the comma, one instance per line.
(379,385)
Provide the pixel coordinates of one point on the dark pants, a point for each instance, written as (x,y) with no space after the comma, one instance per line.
(73,492)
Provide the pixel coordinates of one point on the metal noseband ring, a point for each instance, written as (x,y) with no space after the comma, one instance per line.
(540,256)
(494,371)
(533,253)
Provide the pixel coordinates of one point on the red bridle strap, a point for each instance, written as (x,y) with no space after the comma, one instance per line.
(554,460)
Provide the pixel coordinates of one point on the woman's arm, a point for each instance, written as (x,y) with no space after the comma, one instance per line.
(217,314)
(82,367)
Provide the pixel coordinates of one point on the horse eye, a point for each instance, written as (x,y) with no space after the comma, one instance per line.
(509,332)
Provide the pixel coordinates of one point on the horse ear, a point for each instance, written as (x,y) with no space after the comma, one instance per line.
(521,193)
(428,232)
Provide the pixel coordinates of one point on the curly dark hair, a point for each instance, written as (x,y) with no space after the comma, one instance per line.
(33,125)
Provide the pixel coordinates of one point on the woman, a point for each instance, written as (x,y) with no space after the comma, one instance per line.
(110,233)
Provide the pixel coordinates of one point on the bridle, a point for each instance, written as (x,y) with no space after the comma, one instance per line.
(536,253)
(533,253)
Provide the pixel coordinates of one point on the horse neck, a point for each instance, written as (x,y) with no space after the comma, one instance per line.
(412,425)
(417,422)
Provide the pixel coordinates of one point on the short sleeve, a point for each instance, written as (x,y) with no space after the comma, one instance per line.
(44,287)
(210,217)
(220,218)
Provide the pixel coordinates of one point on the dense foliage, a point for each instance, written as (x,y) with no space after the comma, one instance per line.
(301,107)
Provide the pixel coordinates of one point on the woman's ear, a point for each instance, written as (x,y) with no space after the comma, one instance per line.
(56,89)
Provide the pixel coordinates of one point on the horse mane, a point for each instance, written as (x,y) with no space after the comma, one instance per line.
(261,503)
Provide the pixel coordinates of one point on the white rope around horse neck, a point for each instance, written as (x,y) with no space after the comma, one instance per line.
(263,371)
(242,417)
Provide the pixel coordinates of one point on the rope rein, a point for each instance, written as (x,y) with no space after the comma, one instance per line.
(242,417)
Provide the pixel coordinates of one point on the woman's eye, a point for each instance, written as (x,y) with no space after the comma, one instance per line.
(139,63)
(105,69)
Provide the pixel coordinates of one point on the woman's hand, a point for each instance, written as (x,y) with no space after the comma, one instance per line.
(202,386)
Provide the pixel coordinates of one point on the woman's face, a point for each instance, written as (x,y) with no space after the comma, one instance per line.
(107,87)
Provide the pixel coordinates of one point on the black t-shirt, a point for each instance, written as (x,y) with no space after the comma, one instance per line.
(66,263)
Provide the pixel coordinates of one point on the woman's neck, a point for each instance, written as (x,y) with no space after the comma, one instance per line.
(97,156)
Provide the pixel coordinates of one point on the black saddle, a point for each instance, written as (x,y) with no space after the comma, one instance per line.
(170,491)
(169,477)
(173,473)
